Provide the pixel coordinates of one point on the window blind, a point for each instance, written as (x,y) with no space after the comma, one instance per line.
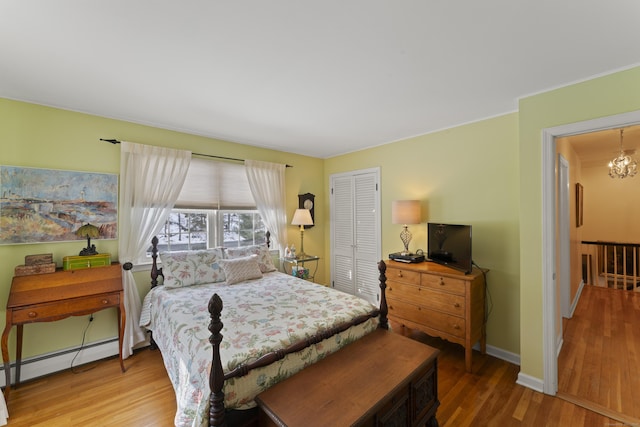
(212,184)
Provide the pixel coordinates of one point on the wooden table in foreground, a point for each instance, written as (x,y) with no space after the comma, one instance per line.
(381,379)
(55,296)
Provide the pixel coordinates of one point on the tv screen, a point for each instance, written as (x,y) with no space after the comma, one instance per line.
(450,244)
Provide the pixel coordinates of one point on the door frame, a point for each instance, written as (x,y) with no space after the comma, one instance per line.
(549,299)
(564,224)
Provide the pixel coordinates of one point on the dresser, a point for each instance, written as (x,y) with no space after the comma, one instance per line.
(382,379)
(54,296)
(439,301)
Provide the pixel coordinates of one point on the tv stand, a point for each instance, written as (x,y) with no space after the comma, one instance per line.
(439,301)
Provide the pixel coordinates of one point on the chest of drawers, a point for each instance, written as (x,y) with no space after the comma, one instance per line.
(439,301)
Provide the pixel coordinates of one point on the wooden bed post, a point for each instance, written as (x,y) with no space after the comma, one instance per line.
(384,309)
(216,375)
(154,262)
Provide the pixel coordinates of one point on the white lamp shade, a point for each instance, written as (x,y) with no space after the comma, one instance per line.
(405,212)
(302,217)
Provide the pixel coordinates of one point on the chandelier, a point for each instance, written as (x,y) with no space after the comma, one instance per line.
(623,165)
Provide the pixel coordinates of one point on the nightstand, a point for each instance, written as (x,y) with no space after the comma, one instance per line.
(289,264)
(55,296)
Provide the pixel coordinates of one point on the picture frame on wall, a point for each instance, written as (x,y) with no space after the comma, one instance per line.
(579,205)
(49,205)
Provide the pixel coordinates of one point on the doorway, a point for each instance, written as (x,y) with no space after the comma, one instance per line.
(550,304)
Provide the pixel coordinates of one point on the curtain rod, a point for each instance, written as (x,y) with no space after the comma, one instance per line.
(115,141)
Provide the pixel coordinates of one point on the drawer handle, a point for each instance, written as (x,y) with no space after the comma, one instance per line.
(456,305)
(442,282)
(456,326)
(105,301)
(399,273)
(32,314)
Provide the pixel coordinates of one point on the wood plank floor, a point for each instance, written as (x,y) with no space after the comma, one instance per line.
(599,361)
(143,396)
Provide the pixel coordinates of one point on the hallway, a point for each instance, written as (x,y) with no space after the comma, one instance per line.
(598,366)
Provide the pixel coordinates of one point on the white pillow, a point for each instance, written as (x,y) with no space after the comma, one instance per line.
(240,269)
(262,251)
(182,269)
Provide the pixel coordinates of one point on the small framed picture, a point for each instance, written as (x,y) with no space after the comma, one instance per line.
(579,204)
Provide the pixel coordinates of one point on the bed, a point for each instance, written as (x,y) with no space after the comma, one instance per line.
(272,326)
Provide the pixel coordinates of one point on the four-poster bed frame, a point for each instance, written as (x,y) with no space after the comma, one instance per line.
(218,414)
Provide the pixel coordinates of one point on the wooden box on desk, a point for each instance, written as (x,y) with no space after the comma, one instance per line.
(27,270)
(85,261)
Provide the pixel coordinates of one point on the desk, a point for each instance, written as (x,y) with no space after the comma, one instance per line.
(55,296)
(381,379)
(295,262)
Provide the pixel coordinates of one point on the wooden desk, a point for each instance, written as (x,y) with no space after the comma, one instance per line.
(381,379)
(55,296)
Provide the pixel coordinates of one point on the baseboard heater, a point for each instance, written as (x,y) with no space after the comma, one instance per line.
(38,366)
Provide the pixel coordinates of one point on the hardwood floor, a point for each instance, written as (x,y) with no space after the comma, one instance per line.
(143,396)
(598,365)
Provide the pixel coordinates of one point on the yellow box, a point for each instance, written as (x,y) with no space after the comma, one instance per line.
(86,261)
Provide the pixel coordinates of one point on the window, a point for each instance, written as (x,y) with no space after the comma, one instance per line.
(241,228)
(194,229)
(215,208)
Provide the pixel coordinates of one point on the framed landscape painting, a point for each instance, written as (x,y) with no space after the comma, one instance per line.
(47,205)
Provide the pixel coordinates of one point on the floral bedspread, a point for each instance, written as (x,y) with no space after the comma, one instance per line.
(259,316)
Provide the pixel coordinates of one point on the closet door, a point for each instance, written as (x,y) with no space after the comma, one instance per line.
(355,233)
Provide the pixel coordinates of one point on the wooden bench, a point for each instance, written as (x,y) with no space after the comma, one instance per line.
(381,379)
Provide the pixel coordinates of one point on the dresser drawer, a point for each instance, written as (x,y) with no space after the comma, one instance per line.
(403,276)
(442,283)
(65,308)
(446,323)
(427,298)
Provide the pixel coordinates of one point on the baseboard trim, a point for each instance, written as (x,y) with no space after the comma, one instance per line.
(499,353)
(576,299)
(530,382)
(49,363)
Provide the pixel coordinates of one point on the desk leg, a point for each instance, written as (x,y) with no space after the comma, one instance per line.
(122,317)
(18,353)
(5,355)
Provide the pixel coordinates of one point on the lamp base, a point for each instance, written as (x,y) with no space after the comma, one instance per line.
(89,250)
(405,236)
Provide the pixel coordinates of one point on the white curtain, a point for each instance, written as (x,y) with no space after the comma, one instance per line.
(151,179)
(268,188)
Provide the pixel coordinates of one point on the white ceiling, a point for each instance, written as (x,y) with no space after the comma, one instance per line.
(319,78)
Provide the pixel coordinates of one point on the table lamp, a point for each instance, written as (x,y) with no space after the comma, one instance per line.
(88,231)
(405,212)
(302,217)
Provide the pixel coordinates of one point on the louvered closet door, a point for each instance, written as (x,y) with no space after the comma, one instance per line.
(355,233)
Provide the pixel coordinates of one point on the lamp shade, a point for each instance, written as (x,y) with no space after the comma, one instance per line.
(302,217)
(405,212)
(88,230)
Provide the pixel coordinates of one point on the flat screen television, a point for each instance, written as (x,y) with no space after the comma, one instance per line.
(450,244)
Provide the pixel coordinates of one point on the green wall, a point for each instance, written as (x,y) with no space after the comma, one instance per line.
(605,96)
(465,175)
(42,137)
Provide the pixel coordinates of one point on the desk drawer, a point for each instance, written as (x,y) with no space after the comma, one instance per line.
(452,325)
(65,308)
